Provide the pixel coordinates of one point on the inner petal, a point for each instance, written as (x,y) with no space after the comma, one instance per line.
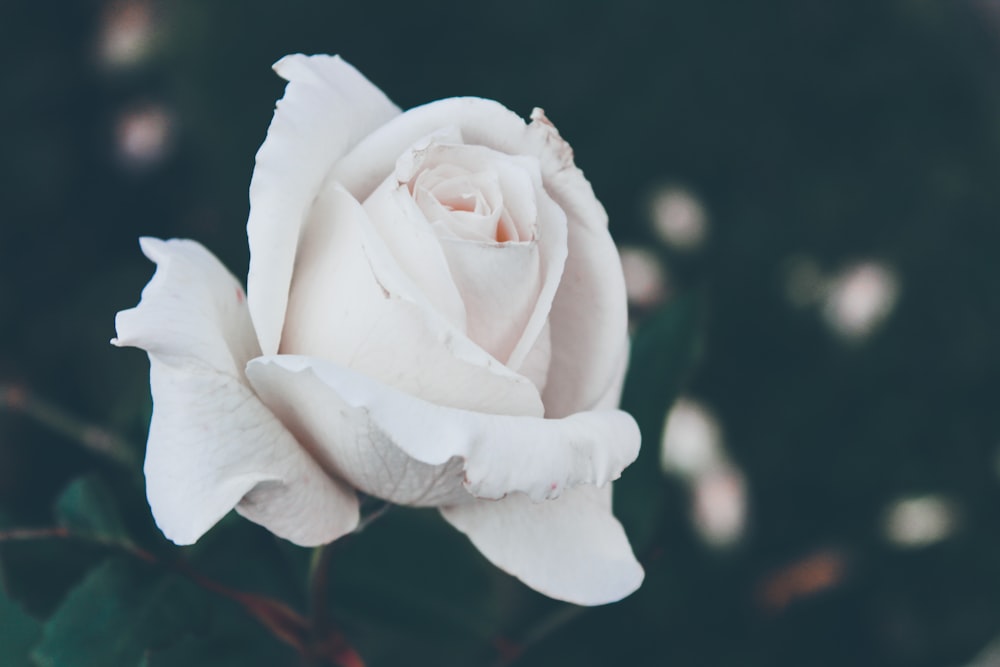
(463,204)
(488,209)
(352,303)
(500,285)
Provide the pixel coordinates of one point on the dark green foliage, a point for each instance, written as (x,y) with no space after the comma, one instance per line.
(121,610)
(663,356)
(18,633)
(87,508)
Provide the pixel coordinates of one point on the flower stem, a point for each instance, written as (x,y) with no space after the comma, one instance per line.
(281,620)
(327,646)
(511,651)
(318,580)
(93,438)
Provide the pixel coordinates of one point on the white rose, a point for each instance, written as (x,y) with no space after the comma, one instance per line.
(435,315)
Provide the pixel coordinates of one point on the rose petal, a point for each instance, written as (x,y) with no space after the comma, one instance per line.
(480,122)
(536,363)
(500,287)
(501,183)
(415,248)
(589,320)
(571,548)
(589,315)
(352,304)
(212,444)
(341,438)
(190,286)
(563,179)
(507,288)
(612,394)
(327,108)
(503,454)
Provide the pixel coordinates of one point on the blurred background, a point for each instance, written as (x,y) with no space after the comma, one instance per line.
(807,198)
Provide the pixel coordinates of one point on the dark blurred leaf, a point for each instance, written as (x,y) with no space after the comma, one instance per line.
(232,640)
(18,633)
(119,611)
(87,507)
(413,577)
(221,555)
(663,352)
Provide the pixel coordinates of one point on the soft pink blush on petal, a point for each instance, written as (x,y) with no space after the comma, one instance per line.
(571,548)
(352,304)
(415,248)
(589,312)
(327,108)
(507,286)
(212,444)
(500,291)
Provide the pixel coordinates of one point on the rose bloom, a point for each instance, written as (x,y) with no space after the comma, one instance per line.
(435,315)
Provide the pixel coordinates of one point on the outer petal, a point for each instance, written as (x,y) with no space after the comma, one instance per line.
(502,454)
(480,122)
(589,316)
(589,322)
(327,108)
(212,444)
(571,548)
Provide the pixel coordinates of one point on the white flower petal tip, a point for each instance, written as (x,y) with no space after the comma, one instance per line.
(192,311)
(570,549)
(212,445)
(503,454)
(327,108)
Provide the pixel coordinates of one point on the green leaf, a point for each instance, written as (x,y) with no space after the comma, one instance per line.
(87,507)
(413,577)
(233,640)
(663,353)
(121,609)
(18,633)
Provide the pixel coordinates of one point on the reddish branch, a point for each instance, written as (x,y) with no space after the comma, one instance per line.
(93,438)
(328,647)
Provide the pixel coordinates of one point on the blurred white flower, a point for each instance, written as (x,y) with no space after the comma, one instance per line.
(720,505)
(920,521)
(143,135)
(988,657)
(126,32)
(692,440)
(645,278)
(693,450)
(679,218)
(860,298)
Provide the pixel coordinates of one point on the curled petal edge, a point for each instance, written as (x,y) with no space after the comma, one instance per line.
(213,446)
(503,454)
